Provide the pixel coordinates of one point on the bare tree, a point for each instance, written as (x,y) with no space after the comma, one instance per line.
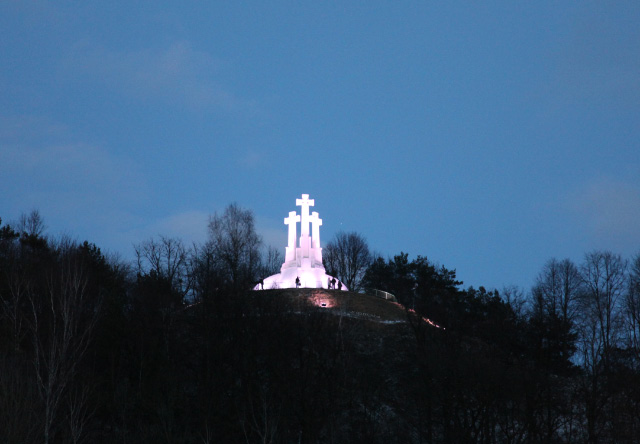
(348,256)
(557,289)
(166,258)
(261,415)
(515,297)
(14,302)
(234,241)
(63,317)
(272,262)
(31,224)
(632,308)
(19,418)
(604,278)
(79,412)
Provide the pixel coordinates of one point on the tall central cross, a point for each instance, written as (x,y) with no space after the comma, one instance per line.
(305,242)
(305,203)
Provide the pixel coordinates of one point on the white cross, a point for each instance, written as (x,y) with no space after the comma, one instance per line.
(305,203)
(315,230)
(291,221)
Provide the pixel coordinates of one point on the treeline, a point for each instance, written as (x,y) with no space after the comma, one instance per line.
(559,363)
(174,348)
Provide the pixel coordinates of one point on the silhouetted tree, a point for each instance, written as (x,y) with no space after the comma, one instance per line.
(419,284)
(63,315)
(632,310)
(7,234)
(347,255)
(516,298)
(271,262)
(557,289)
(31,228)
(379,275)
(165,258)
(235,243)
(174,348)
(604,278)
(554,308)
(394,276)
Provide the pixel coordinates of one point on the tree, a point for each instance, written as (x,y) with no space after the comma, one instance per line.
(13,301)
(632,309)
(272,262)
(550,343)
(378,275)
(31,228)
(20,417)
(31,224)
(555,306)
(166,259)
(557,289)
(515,298)
(417,284)
(603,274)
(433,278)
(604,277)
(235,243)
(348,257)
(63,315)
(7,234)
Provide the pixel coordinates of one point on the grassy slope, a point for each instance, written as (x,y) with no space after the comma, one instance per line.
(342,302)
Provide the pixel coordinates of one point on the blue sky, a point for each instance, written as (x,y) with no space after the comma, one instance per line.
(487,136)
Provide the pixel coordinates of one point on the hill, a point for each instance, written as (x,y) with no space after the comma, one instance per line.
(342,303)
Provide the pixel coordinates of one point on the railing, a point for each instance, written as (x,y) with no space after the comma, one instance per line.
(381,294)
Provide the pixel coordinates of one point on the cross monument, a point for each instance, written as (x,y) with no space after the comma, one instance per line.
(302,265)
(290,251)
(305,242)
(316,222)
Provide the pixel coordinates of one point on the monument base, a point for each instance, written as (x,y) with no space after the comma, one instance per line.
(309,278)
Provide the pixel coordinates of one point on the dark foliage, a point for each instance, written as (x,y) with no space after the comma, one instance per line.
(173,350)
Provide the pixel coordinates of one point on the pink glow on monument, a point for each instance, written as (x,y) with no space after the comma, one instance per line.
(303,254)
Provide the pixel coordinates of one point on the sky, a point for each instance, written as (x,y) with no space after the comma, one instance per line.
(487,136)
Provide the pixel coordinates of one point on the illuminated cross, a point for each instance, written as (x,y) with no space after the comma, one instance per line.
(291,221)
(305,242)
(305,203)
(315,230)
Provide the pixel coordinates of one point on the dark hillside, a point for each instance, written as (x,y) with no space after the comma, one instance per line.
(91,352)
(287,365)
(343,303)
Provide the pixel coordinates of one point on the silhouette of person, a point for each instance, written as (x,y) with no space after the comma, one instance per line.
(261,284)
(339,285)
(329,283)
(297,281)
(333,283)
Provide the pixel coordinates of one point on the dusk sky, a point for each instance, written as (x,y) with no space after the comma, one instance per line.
(487,137)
